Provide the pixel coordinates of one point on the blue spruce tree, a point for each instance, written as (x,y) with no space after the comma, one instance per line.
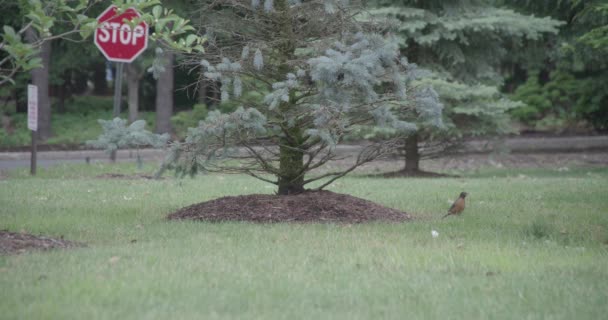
(463,43)
(305,73)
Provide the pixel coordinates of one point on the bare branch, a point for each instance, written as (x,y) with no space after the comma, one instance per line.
(265,164)
(261,178)
(369,153)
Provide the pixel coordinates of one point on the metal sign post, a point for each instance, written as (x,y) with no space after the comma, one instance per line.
(32,123)
(118,88)
(117,97)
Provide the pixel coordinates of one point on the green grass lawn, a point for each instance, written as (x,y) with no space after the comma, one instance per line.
(530,245)
(67,129)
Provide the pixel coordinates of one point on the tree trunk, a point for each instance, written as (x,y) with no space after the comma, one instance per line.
(40,78)
(60,99)
(7,124)
(412,155)
(100,84)
(133,91)
(291,165)
(62,92)
(164,96)
(202,93)
(291,156)
(213,94)
(20,104)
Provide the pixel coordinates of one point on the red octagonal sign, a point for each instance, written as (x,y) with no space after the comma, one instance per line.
(116,39)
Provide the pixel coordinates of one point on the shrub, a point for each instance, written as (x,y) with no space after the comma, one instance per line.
(85,105)
(188,119)
(116,135)
(565,98)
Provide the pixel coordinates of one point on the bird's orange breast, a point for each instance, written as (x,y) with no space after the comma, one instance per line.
(458,206)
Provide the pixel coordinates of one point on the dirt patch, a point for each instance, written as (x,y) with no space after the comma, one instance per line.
(136,176)
(415,174)
(471,162)
(12,243)
(314,207)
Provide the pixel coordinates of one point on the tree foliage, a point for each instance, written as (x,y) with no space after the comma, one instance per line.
(466,39)
(597,37)
(464,44)
(68,19)
(573,82)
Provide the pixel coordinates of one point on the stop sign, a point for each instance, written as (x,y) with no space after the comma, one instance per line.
(116,39)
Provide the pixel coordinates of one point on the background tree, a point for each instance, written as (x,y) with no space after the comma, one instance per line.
(134,74)
(572,82)
(164,91)
(45,21)
(165,78)
(34,52)
(463,43)
(71,70)
(306,73)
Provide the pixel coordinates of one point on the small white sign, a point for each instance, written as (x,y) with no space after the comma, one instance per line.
(32,107)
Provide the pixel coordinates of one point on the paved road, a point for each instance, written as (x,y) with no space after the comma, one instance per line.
(11,160)
(45,163)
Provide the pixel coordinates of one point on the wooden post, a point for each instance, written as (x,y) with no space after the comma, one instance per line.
(34,154)
(32,123)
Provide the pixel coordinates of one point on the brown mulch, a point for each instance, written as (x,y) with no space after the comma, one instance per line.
(416,174)
(312,207)
(127,176)
(12,243)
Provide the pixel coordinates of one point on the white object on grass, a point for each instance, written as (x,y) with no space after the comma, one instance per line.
(434,233)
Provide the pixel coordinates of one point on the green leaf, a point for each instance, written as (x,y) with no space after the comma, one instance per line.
(190,39)
(88,29)
(10,32)
(160,25)
(188,28)
(11,81)
(82,4)
(34,63)
(81,18)
(157,11)
(65,8)
(142,5)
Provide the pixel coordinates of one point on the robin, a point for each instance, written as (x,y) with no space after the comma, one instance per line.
(458,205)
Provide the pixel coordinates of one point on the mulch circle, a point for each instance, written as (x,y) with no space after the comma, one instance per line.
(307,207)
(416,174)
(11,242)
